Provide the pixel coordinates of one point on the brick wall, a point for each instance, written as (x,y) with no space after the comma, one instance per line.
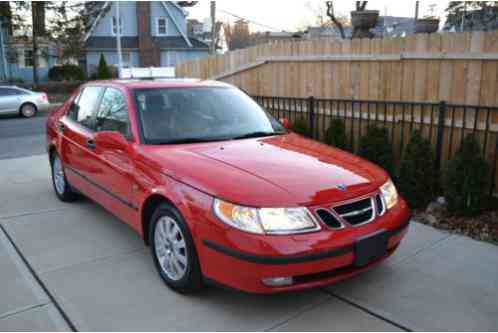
(149,54)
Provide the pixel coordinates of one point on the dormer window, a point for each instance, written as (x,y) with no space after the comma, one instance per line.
(161,25)
(114,25)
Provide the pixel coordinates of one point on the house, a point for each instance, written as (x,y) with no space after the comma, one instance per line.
(325,32)
(484,19)
(266,37)
(202,32)
(16,56)
(153,34)
(394,26)
(387,26)
(20,58)
(195,27)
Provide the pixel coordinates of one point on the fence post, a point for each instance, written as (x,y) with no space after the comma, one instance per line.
(311,115)
(493,172)
(440,133)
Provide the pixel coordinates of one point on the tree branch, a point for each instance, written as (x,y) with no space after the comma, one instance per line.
(337,23)
(361,5)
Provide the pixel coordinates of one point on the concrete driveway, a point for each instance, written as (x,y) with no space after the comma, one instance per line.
(76,267)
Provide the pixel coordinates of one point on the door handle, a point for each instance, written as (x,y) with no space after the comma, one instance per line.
(90,143)
(61,127)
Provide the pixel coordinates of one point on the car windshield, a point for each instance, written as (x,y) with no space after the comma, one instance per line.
(202,114)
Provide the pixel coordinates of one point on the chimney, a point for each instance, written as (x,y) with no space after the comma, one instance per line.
(149,54)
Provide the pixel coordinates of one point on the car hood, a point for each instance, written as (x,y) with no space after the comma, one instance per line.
(280,171)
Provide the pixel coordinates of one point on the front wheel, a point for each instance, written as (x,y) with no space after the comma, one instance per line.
(173,250)
(61,187)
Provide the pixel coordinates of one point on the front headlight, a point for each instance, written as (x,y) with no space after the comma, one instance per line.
(390,194)
(265,220)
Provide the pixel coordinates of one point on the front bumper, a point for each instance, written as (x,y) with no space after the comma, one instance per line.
(241,261)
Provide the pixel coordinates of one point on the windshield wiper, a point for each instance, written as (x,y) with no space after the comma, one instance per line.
(258,134)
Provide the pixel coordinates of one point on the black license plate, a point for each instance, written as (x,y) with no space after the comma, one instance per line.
(370,248)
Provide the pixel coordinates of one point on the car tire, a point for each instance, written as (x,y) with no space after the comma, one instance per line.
(28,110)
(59,181)
(173,250)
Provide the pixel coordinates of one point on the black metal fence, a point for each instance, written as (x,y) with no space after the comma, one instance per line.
(444,124)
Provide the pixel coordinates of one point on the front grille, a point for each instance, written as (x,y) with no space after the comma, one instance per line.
(328,218)
(358,212)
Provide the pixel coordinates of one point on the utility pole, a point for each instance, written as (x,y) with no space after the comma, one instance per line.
(417,4)
(4,58)
(212,48)
(36,7)
(118,39)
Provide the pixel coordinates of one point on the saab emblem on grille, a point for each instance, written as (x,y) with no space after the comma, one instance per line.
(341,187)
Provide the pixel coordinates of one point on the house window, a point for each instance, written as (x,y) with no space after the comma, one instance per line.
(28,58)
(161,26)
(114,25)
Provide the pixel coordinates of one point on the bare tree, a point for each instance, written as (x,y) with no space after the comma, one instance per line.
(38,24)
(361,5)
(331,14)
(187,3)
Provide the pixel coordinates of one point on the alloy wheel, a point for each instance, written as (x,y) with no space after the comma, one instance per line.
(58,173)
(28,110)
(171,249)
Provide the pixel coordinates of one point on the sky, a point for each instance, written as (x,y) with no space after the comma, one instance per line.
(291,15)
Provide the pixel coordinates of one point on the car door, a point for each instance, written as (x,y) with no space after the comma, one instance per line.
(10,100)
(77,147)
(116,165)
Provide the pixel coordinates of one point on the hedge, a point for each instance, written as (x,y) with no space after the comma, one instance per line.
(66,72)
(466,181)
(336,134)
(376,147)
(416,177)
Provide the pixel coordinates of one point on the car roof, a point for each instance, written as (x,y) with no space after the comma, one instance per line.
(162,83)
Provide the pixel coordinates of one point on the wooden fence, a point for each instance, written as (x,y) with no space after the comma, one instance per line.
(457,68)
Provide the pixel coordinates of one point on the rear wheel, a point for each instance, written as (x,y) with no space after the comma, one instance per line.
(173,250)
(28,110)
(61,187)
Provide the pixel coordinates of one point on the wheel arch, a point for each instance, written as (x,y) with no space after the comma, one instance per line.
(148,208)
(52,150)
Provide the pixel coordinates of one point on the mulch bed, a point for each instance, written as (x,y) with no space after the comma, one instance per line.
(483,227)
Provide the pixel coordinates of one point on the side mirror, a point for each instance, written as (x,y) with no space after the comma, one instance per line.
(111,140)
(286,123)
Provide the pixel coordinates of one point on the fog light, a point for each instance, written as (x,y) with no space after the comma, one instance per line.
(278,281)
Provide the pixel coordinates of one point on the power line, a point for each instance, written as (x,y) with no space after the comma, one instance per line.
(250,21)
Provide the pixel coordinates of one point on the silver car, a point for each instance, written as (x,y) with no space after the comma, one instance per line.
(23,101)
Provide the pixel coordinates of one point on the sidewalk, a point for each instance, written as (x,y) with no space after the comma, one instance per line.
(101,276)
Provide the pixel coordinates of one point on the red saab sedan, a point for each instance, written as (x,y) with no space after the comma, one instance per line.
(219,189)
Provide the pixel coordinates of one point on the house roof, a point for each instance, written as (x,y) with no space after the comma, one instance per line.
(168,42)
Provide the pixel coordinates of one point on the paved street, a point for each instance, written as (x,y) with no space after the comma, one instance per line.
(74,266)
(22,137)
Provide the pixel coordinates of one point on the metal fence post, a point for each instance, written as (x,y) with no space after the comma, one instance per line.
(311,114)
(493,168)
(440,133)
